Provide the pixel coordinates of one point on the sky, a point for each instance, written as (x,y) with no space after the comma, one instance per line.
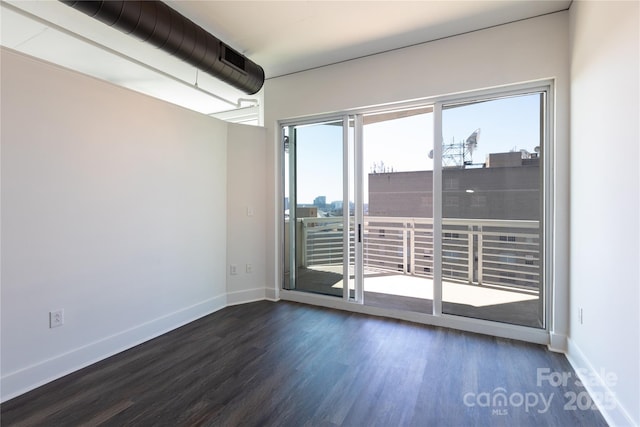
(404,144)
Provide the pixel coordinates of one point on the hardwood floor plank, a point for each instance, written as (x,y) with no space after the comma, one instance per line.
(288,364)
(107,414)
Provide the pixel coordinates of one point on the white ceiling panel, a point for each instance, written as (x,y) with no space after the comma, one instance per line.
(289,36)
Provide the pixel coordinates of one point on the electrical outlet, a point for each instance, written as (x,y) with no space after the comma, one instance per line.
(249,268)
(56,318)
(233,269)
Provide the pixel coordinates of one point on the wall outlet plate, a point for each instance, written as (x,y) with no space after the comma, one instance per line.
(56,318)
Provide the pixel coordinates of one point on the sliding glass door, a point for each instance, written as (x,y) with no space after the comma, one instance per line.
(315,209)
(397,188)
(492,209)
(454,228)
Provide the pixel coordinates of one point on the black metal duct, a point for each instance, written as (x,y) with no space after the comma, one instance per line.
(163,27)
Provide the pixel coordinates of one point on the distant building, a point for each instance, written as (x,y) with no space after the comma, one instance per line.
(507,187)
(336,207)
(306,212)
(320,201)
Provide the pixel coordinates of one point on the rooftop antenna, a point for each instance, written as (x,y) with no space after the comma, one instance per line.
(470,145)
(459,155)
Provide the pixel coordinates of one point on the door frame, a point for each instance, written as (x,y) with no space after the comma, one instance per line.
(437,318)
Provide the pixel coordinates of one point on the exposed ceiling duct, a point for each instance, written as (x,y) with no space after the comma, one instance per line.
(163,27)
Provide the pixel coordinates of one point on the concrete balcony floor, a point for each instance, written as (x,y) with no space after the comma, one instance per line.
(405,292)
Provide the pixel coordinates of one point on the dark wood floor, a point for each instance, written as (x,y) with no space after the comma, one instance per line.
(287,364)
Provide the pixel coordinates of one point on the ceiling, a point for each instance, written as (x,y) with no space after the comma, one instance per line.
(289,36)
(283,37)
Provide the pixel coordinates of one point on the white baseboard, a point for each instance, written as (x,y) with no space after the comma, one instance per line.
(557,343)
(243,297)
(610,408)
(23,380)
(271,294)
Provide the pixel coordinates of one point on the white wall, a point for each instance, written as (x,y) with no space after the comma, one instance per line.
(113,209)
(519,52)
(605,193)
(246,225)
(513,53)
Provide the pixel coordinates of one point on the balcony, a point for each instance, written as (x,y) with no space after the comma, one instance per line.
(491,269)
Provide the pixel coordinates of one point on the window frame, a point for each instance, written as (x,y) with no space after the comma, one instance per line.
(548,233)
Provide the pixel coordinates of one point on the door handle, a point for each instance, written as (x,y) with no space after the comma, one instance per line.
(359,233)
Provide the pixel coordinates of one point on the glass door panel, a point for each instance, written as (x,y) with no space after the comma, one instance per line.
(492,209)
(397,184)
(314,208)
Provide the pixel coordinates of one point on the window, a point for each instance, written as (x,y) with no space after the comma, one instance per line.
(462,222)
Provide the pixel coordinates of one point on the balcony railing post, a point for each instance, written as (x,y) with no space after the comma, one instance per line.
(365,243)
(470,253)
(404,248)
(480,255)
(412,247)
(305,242)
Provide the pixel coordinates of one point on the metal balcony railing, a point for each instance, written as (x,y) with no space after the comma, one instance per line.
(480,251)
